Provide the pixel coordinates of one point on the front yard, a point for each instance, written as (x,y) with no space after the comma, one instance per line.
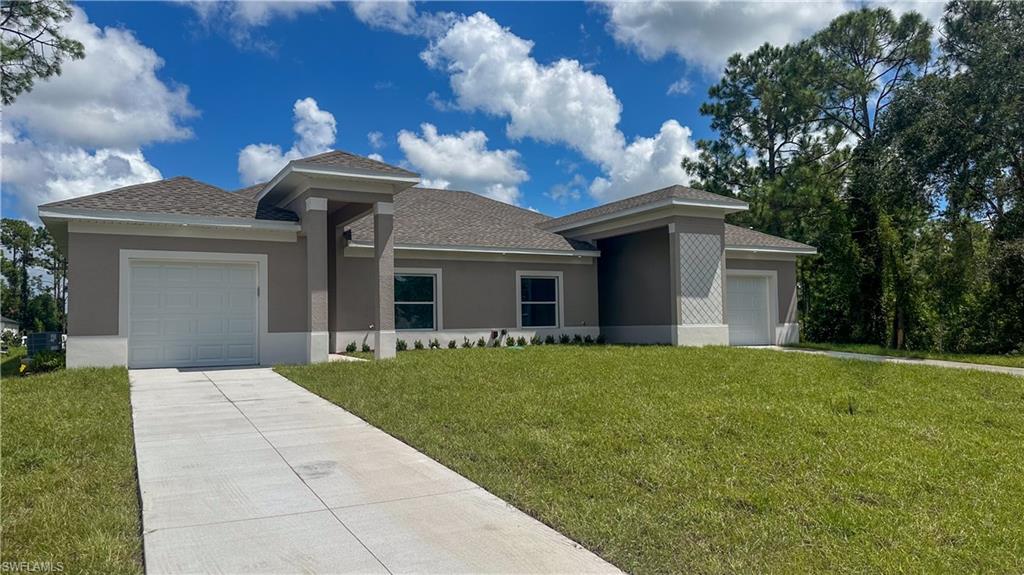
(69,495)
(988,359)
(719,460)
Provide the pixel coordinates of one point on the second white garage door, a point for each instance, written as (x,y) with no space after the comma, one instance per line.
(184,314)
(746,300)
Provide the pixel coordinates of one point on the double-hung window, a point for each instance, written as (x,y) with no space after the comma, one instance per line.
(416,300)
(539,300)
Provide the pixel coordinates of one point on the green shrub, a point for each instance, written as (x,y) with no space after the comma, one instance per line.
(521,341)
(588,340)
(466,343)
(576,339)
(366,348)
(351,347)
(47,361)
(535,340)
(418,344)
(481,342)
(400,345)
(510,341)
(564,339)
(549,340)
(600,339)
(435,344)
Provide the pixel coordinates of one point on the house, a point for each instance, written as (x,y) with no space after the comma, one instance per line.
(339,249)
(8,324)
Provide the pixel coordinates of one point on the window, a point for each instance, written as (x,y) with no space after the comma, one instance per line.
(416,300)
(538,300)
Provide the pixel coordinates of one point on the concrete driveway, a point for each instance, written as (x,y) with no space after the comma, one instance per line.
(242,471)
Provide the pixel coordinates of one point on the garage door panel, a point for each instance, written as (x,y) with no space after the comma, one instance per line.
(193,314)
(748,313)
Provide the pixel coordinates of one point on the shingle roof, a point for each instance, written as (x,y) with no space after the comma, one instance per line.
(340,159)
(664,194)
(179,195)
(445,218)
(736,236)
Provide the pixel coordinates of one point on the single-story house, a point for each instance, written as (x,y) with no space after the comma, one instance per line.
(339,248)
(8,324)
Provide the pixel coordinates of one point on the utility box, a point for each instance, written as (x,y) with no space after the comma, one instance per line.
(44,341)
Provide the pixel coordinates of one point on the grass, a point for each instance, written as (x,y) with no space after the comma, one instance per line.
(69,493)
(989,359)
(11,361)
(719,460)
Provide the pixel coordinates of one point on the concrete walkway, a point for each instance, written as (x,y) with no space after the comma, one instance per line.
(242,471)
(1018,371)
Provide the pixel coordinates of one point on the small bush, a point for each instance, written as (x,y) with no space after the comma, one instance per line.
(588,340)
(435,344)
(549,340)
(536,340)
(600,339)
(418,344)
(510,341)
(47,361)
(576,339)
(466,343)
(521,341)
(564,339)
(400,345)
(481,342)
(366,348)
(351,347)
(452,344)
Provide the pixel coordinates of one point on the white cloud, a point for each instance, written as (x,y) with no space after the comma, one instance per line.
(82,132)
(680,87)
(491,69)
(241,18)
(111,98)
(315,131)
(401,16)
(568,191)
(462,161)
(377,157)
(706,33)
(376,140)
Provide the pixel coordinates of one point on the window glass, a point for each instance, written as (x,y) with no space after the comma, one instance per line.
(538,301)
(414,302)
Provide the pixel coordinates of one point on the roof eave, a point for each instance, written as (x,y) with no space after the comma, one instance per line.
(487,249)
(299,168)
(801,251)
(724,207)
(79,214)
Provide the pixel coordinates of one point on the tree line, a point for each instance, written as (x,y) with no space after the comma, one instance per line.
(33,277)
(898,151)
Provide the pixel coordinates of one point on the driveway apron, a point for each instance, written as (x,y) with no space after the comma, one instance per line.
(243,471)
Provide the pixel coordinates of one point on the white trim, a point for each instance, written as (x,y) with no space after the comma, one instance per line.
(384,208)
(771,250)
(318,346)
(284,348)
(700,334)
(773,297)
(96,350)
(297,167)
(384,344)
(787,333)
(760,256)
(181,231)
(438,295)
(171,219)
(316,204)
(124,283)
(559,305)
(359,246)
(671,202)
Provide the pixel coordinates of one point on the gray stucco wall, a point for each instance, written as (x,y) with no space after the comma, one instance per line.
(634,279)
(786,271)
(476,294)
(94,261)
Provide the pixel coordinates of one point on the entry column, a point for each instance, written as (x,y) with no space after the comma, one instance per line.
(314,227)
(384,290)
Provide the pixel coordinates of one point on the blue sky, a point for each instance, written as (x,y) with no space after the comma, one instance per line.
(217,92)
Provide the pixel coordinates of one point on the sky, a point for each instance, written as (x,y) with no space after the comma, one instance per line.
(550,106)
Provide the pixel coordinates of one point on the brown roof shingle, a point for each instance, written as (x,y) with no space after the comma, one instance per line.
(664,194)
(432,217)
(735,236)
(342,159)
(179,195)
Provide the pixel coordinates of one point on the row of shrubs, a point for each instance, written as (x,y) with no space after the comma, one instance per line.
(510,341)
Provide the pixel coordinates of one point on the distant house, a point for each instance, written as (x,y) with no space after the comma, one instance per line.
(340,250)
(8,324)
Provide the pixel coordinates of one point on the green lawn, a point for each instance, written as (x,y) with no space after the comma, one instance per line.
(990,359)
(68,492)
(11,361)
(719,460)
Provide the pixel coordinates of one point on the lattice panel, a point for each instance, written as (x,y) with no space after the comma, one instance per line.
(700,278)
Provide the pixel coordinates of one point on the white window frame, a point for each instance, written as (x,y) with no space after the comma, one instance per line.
(559,303)
(438,310)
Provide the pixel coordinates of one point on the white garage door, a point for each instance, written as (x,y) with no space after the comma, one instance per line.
(186,314)
(747,301)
